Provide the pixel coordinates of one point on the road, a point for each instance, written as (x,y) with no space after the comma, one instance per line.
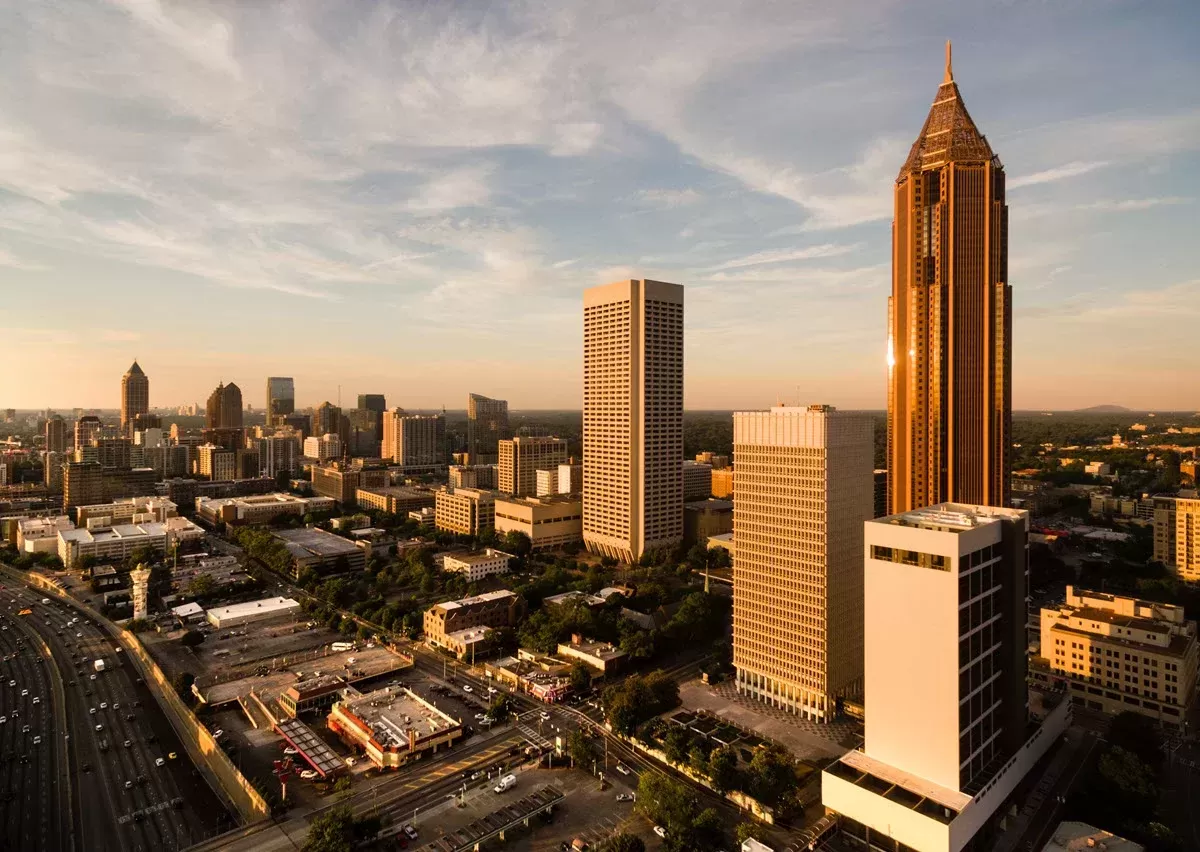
(124,799)
(34,798)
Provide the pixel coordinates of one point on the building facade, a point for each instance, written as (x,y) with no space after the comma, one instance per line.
(396,500)
(722,482)
(56,435)
(487,425)
(413,440)
(1122,654)
(520,459)
(697,480)
(632,418)
(476,566)
(489,611)
(949,318)
(803,490)
(224,407)
(83,484)
(948,733)
(466,511)
(1186,564)
(570,478)
(325,448)
(87,429)
(281,399)
(549,522)
(135,397)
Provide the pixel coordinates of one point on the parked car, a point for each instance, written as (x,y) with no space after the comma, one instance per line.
(660,831)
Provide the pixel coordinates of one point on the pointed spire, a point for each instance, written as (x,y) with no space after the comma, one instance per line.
(949,78)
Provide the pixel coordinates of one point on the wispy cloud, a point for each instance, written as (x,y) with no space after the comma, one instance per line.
(786,255)
(1064,172)
(1128,205)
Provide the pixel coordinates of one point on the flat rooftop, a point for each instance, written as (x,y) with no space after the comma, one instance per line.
(594,648)
(149,529)
(476,558)
(315,542)
(486,597)
(392,712)
(260,607)
(883,779)
(951,517)
(310,747)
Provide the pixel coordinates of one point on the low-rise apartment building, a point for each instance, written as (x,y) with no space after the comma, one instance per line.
(117,542)
(395,500)
(476,566)
(466,511)
(604,657)
(1120,653)
(260,508)
(489,611)
(549,522)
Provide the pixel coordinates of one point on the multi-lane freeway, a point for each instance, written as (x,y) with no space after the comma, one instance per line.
(99,766)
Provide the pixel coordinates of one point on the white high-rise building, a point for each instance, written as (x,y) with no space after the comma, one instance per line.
(632,418)
(324,448)
(948,737)
(803,486)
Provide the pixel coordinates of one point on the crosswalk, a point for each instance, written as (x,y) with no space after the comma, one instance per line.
(533,736)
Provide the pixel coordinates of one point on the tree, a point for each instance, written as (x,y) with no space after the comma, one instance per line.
(746,831)
(182,684)
(580,677)
(499,708)
(723,769)
(342,786)
(707,830)
(201,585)
(580,750)
(191,639)
(1138,735)
(639,645)
(772,775)
(625,842)
(332,831)
(517,543)
(676,744)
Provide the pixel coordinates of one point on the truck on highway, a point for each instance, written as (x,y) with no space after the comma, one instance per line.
(98,665)
(342,646)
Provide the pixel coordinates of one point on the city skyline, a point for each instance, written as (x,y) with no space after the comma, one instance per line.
(758,175)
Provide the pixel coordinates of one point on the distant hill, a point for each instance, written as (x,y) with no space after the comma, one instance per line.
(1105,409)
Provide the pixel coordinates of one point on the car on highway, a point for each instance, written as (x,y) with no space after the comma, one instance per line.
(103,705)
(92,711)
(24,692)
(3,720)
(128,785)
(37,699)
(158,761)
(172,756)
(99,728)
(128,743)
(37,740)
(25,729)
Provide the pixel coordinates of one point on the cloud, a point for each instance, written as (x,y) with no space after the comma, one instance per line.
(669,198)
(115,335)
(1064,172)
(1129,205)
(785,255)
(10,260)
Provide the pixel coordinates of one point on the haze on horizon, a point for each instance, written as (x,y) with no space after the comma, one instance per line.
(413,204)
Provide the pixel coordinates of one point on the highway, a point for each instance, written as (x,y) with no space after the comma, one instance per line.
(33,775)
(124,798)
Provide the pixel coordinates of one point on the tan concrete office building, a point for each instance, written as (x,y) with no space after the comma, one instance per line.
(1186,564)
(490,610)
(632,418)
(722,482)
(466,511)
(413,440)
(520,459)
(397,500)
(803,489)
(550,521)
(1119,653)
(135,397)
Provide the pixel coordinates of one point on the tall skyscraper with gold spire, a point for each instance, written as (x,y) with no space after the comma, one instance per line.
(949,317)
(135,397)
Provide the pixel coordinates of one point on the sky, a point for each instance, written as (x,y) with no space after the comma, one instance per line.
(409,198)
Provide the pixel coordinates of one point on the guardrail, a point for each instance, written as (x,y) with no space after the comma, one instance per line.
(213,763)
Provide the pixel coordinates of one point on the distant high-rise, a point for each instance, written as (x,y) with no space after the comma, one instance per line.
(949,318)
(377,403)
(802,490)
(224,408)
(56,435)
(327,419)
(632,418)
(281,398)
(414,440)
(487,425)
(87,430)
(135,397)
(520,459)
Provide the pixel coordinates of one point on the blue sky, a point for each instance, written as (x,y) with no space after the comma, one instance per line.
(410,198)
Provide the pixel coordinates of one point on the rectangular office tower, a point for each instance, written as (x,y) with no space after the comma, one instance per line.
(803,487)
(948,730)
(520,459)
(632,418)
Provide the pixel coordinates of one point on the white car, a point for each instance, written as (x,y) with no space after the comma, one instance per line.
(3,720)
(37,740)
(103,705)
(159,762)
(660,831)
(93,711)
(622,768)
(467,687)
(289,751)
(93,677)
(37,699)
(308,774)
(24,692)
(99,728)
(491,690)
(545,716)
